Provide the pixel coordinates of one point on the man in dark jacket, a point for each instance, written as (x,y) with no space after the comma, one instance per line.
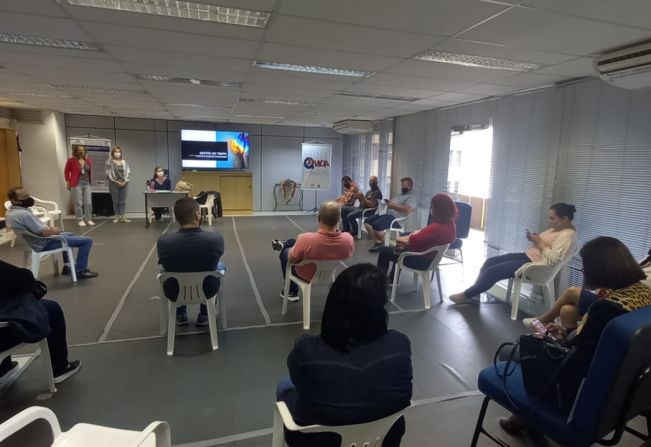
(30,319)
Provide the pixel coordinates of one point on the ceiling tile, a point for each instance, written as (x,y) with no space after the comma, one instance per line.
(42,26)
(488,89)
(422,83)
(33,7)
(458,97)
(624,12)
(357,39)
(548,31)
(575,68)
(299,80)
(375,89)
(531,80)
(443,18)
(184,71)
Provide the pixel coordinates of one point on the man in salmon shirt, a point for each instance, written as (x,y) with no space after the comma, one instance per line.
(325,244)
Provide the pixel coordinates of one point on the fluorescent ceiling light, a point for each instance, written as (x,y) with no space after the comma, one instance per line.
(312,69)
(273,102)
(163,78)
(262,117)
(183,10)
(477,61)
(20,39)
(372,96)
(102,90)
(196,106)
(36,95)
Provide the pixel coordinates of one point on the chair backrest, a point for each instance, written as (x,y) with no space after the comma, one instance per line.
(210,201)
(463,219)
(190,285)
(622,354)
(7,204)
(43,203)
(325,269)
(33,241)
(440,251)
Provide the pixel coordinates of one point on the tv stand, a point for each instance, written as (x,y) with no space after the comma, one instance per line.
(236,188)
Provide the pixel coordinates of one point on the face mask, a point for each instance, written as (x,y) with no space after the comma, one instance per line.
(28,202)
(405,190)
(373,185)
(160,173)
(117,155)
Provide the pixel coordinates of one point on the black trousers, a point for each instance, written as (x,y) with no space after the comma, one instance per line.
(56,339)
(388,255)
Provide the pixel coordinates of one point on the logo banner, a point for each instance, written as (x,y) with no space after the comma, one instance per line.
(317,160)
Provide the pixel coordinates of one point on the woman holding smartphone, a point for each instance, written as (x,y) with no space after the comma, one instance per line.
(549,247)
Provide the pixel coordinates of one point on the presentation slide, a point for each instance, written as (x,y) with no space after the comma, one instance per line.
(210,149)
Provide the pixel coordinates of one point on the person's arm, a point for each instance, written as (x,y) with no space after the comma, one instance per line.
(297,252)
(67,173)
(559,249)
(405,209)
(109,171)
(127,172)
(35,226)
(49,231)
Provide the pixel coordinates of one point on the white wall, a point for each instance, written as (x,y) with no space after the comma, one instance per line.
(275,152)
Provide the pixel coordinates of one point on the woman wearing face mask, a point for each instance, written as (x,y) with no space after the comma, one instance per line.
(118,175)
(160,182)
(77,175)
(549,247)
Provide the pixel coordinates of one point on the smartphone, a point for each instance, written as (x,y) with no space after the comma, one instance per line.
(539,327)
(527,230)
(387,200)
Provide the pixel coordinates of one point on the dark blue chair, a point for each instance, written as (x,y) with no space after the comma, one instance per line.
(616,389)
(463,230)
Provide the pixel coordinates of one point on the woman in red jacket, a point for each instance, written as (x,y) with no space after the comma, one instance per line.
(440,231)
(77,175)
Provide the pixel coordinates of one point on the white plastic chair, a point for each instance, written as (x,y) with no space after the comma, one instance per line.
(537,275)
(423,274)
(324,274)
(42,349)
(397,230)
(208,206)
(367,212)
(370,434)
(31,240)
(52,209)
(190,292)
(156,434)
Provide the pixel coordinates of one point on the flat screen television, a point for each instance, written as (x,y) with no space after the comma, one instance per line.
(214,149)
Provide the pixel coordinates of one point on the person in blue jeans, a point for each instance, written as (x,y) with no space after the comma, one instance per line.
(21,220)
(356,370)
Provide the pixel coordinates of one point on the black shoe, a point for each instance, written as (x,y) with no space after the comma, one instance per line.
(376,247)
(70,370)
(514,424)
(65,270)
(202,320)
(277,244)
(182,319)
(86,274)
(7,365)
(292,297)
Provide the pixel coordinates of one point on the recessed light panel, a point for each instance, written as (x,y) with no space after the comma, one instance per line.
(183,10)
(101,90)
(163,78)
(312,69)
(477,61)
(372,96)
(20,39)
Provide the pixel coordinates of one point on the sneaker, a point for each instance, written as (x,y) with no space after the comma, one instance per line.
(65,270)
(514,424)
(277,244)
(91,223)
(292,297)
(7,366)
(70,370)
(125,220)
(202,320)
(376,247)
(116,220)
(460,298)
(87,274)
(182,319)
(81,223)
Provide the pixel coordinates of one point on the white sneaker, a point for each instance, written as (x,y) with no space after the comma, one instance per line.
(81,223)
(91,223)
(116,220)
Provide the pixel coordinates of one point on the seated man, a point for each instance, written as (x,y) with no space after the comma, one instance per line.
(350,191)
(21,219)
(325,244)
(400,206)
(350,214)
(190,250)
(31,319)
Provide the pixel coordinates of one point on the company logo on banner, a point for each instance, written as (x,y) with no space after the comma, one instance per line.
(316,166)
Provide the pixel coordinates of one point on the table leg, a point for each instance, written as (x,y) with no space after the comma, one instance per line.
(146,212)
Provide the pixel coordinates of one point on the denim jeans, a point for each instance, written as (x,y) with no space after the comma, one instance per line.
(83,200)
(496,269)
(284,254)
(119,197)
(83,245)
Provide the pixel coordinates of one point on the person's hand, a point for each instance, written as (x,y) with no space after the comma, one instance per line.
(68,186)
(557,331)
(533,237)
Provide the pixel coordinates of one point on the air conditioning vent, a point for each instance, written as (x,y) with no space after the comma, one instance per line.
(351,127)
(628,68)
(27,115)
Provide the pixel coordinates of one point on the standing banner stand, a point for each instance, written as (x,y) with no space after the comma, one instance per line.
(97,150)
(317,159)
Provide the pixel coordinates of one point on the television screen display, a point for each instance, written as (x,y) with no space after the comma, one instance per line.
(210,149)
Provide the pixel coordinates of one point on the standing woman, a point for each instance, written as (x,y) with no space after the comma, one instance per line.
(118,175)
(77,175)
(160,182)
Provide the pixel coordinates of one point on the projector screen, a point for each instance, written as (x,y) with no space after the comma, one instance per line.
(211,150)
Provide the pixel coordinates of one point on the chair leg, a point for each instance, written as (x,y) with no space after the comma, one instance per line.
(515,298)
(286,291)
(427,289)
(47,365)
(210,218)
(509,289)
(306,292)
(438,283)
(414,278)
(479,427)
(36,262)
(212,323)
(73,267)
(55,264)
(394,288)
(171,326)
(164,315)
(278,436)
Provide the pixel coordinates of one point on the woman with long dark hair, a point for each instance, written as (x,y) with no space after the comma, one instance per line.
(357,370)
(160,182)
(549,247)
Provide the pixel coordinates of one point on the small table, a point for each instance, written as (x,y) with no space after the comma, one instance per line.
(162,199)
